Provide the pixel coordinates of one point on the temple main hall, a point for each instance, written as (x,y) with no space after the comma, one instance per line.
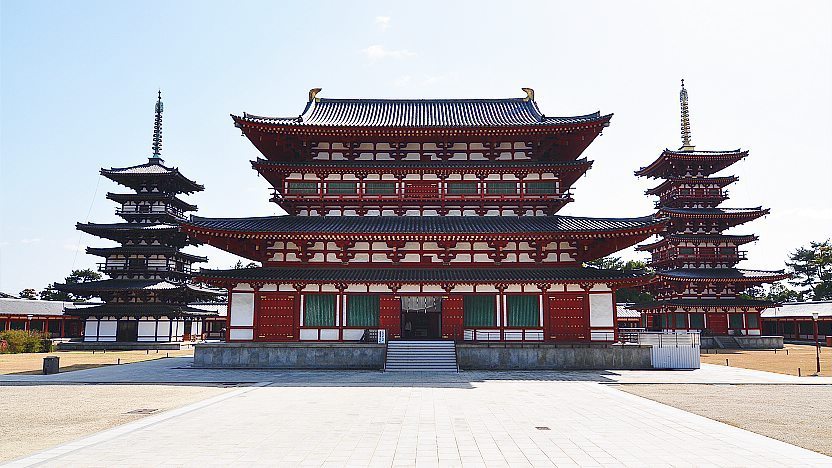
(424,219)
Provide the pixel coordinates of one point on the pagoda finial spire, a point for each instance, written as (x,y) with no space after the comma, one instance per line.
(683,101)
(157,131)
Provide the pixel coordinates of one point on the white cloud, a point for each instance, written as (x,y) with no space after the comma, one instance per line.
(378,52)
(33,240)
(383,22)
(75,248)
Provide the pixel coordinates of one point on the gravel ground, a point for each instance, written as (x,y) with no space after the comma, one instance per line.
(32,363)
(796,414)
(798,357)
(33,418)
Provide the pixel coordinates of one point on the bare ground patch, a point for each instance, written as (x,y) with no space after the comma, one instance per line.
(32,363)
(796,414)
(38,417)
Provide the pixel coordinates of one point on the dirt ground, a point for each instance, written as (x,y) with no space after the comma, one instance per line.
(32,363)
(38,417)
(797,414)
(781,362)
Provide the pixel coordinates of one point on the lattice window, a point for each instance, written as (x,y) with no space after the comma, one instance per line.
(462,188)
(341,188)
(303,188)
(541,188)
(501,188)
(380,188)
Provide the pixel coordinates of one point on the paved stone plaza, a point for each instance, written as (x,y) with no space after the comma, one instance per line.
(377,419)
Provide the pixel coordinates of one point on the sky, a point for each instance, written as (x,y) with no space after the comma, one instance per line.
(78,82)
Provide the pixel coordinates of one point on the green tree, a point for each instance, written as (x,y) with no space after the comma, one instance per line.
(240,266)
(624,295)
(51,293)
(811,269)
(28,293)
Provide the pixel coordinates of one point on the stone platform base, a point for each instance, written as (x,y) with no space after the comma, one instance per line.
(121,346)
(550,356)
(744,342)
(366,356)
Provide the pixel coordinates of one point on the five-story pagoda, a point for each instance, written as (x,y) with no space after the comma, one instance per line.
(429,219)
(148,294)
(697,284)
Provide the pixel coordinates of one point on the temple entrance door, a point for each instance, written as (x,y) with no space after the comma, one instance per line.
(568,317)
(276,317)
(717,324)
(421,317)
(127,330)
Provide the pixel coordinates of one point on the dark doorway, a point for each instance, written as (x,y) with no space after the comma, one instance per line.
(128,330)
(421,317)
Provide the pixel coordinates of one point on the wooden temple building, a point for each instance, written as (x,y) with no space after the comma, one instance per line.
(427,219)
(697,285)
(147,297)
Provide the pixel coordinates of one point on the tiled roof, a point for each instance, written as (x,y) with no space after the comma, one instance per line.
(33,307)
(800,310)
(86,227)
(417,164)
(710,162)
(731,274)
(726,212)
(670,182)
(133,175)
(421,225)
(623,311)
(144,249)
(734,239)
(423,113)
(422,275)
(735,152)
(135,310)
(169,198)
(132,284)
(704,303)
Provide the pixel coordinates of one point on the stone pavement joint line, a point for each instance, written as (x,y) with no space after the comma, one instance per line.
(478,419)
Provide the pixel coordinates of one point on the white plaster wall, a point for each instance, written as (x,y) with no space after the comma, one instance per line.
(107,330)
(91,330)
(600,310)
(242,309)
(147,330)
(241,334)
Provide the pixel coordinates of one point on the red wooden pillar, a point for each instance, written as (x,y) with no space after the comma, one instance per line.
(390,316)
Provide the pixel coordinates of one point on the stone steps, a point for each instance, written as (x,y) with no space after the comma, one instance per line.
(433,356)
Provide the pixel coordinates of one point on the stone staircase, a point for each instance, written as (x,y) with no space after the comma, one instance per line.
(430,356)
(727,342)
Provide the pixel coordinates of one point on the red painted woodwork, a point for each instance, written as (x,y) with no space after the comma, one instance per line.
(389,316)
(717,323)
(452,317)
(421,189)
(276,318)
(567,317)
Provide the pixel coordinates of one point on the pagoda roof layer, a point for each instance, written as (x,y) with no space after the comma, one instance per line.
(130,285)
(133,310)
(423,225)
(715,161)
(704,303)
(144,249)
(670,182)
(134,176)
(734,214)
(735,239)
(722,275)
(144,196)
(425,275)
(511,112)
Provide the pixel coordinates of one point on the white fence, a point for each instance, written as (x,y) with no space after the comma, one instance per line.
(673,350)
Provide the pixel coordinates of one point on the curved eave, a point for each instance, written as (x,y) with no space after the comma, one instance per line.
(750,214)
(654,169)
(735,239)
(130,180)
(173,200)
(107,251)
(719,181)
(771,278)
(289,128)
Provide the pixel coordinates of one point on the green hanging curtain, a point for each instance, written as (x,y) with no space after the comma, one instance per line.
(362,311)
(319,310)
(523,311)
(479,311)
